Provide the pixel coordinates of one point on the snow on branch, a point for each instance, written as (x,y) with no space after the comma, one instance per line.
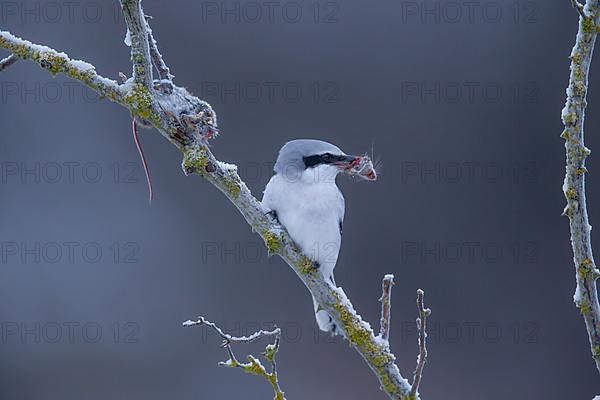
(573,114)
(59,63)
(253,366)
(138,35)
(579,7)
(386,306)
(8,61)
(189,123)
(164,72)
(424,313)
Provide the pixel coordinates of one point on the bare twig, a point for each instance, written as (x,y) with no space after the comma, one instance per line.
(232,339)
(140,50)
(573,114)
(188,122)
(253,366)
(579,7)
(8,61)
(386,306)
(163,70)
(422,357)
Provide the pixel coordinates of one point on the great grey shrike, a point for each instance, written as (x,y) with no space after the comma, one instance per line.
(305,199)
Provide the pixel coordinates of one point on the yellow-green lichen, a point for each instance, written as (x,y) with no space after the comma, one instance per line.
(233,187)
(570,119)
(23,51)
(596,352)
(254,367)
(359,335)
(138,61)
(86,76)
(272,241)
(571,194)
(306,266)
(580,86)
(270,352)
(362,337)
(586,269)
(585,307)
(141,102)
(195,159)
(588,26)
(53,63)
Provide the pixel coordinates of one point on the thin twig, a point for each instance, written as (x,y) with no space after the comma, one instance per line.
(386,306)
(253,366)
(140,50)
(422,357)
(232,339)
(573,115)
(164,72)
(579,7)
(8,61)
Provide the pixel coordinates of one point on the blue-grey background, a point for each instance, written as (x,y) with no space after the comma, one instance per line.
(438,89)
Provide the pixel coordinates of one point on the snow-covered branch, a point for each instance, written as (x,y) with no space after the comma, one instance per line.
(59,63)
(8,61)
(422,357)
(188,123)
(138,38)
(164,72)
(573,115)
(253,366)
(386,306)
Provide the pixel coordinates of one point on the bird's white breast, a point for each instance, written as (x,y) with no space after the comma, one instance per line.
(311,212)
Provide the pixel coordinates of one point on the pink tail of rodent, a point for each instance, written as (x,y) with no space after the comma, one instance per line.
(138,144)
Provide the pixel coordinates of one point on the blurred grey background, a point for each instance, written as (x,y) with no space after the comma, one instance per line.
(461,102)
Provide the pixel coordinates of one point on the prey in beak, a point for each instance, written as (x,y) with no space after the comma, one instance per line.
(357,166)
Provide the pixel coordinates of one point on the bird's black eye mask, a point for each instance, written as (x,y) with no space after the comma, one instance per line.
(326,158)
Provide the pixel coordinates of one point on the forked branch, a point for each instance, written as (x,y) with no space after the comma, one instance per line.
(188,123)
(253,366)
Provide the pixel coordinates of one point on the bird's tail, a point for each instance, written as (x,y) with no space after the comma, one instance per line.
(324,320)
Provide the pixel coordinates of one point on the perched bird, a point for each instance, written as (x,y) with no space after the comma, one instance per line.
(303,196)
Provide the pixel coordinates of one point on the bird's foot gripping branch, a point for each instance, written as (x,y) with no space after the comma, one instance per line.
(188,123)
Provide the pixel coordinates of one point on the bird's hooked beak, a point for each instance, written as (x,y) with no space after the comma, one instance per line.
(359,166)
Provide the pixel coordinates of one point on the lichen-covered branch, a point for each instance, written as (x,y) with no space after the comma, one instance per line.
(422,357)
(573,115)
(253,366)
(579,7)
(59,63)
(140,48)
(188,123)
(386,306)
(8,61)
